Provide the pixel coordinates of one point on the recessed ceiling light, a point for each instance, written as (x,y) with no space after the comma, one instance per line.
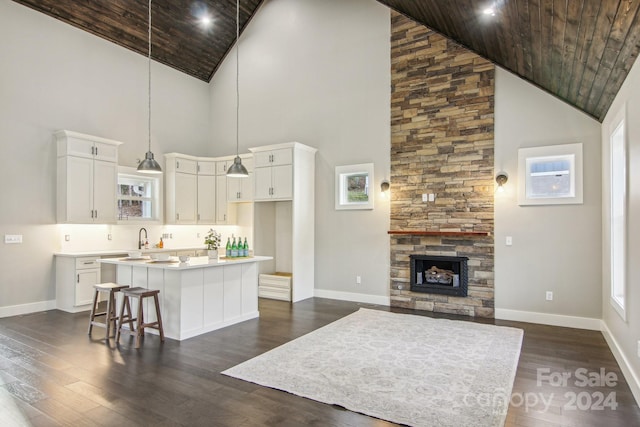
(206,21)
(489,11)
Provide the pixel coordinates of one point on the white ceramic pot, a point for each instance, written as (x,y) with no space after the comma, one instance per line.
(213,254)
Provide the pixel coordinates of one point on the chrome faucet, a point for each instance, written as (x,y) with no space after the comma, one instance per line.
(140,242)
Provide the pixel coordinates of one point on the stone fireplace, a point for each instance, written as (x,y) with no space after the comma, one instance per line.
(442,142)
(439,275)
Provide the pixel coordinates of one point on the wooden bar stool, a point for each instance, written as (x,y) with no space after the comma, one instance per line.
(141,294)
(110,316)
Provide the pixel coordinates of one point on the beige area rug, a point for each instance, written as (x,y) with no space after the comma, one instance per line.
(402,368)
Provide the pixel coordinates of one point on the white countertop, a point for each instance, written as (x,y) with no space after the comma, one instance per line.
(194,262)
(108,252)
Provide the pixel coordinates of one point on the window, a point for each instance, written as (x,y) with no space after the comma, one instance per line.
(138,196)
(618,212)
(550,175)
(353,185)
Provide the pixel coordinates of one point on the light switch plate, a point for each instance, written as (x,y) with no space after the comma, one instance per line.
(12,238)
(425,197)
(432,197)
(508,241)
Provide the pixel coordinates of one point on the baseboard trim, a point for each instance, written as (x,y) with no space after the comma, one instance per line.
(352,296)
(34,307)
(629,374)
(549,319)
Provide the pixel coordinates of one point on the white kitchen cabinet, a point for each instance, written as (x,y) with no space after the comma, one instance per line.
(206,199)
(87,176)
(181,188)
(206,192)
(222,216)
(284,177)
(75,277)
(273,174)
(273,157)
(241,189)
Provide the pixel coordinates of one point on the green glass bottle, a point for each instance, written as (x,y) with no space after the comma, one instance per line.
(228,248)
(245,247)
(234,248)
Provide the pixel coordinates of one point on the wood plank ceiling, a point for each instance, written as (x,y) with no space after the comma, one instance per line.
(178,38)
(578,50)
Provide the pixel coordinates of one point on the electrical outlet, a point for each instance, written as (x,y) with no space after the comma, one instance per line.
(13,238)
(425,197)
(171,235)
(549,296)
(432,197)
(67,237)
(109,237)
(198,235)
(358,280)
(508,241)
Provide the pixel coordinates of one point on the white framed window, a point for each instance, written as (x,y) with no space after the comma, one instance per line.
(550,175)
(138,196)
(353,186)
(618,212)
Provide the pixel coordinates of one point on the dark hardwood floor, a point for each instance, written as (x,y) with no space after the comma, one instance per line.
(52,373)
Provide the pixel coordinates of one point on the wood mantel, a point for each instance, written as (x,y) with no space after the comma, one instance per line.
(439,233)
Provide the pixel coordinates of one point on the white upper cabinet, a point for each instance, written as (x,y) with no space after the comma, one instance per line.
(275,157)
(87,177)
(196,189)
(206,199)
(241,189)
(273,173)
(181,188)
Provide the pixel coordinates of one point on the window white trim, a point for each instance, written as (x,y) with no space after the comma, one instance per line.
(155,199)
(618,214)
(550,175)
(343,176)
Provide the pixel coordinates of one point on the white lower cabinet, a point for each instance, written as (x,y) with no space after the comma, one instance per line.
(75,277)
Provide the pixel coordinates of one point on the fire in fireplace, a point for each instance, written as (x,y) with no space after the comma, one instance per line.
(439,274)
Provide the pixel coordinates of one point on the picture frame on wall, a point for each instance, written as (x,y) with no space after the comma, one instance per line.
(353,187)
(550,175)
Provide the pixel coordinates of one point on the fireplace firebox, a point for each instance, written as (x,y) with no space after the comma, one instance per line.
(439,275)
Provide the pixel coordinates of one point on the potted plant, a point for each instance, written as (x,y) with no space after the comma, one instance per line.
(212,240)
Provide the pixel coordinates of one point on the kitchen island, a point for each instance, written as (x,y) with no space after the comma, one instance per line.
(196,296)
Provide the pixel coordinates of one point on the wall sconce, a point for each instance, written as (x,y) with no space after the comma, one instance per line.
(384,187)
(501,179)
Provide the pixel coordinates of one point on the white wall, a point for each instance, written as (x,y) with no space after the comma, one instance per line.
(555,248)
(54,76)
(624,335)
(318,72)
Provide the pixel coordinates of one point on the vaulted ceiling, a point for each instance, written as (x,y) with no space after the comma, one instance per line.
(578,50)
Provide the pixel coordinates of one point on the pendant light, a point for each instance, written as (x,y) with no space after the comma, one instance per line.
(237,169)
(149,164)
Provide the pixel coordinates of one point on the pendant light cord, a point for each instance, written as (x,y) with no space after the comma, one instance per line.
(149,72)
(237,77)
